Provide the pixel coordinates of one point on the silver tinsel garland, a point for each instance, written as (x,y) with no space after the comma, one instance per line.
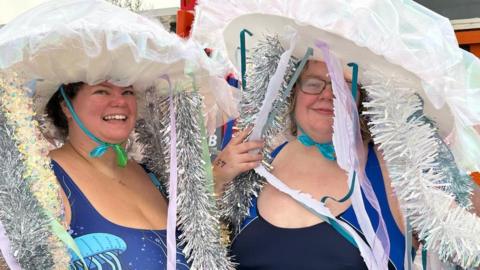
(457,183)
(261,65)
(197,216)
(411,150)
(27,227)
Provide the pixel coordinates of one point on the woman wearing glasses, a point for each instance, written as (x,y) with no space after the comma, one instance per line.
(307,163)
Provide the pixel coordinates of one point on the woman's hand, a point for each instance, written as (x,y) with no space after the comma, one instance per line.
(235,159)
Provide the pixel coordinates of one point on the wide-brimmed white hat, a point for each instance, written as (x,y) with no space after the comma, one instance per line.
(396,44)
(67,41)
(409,41)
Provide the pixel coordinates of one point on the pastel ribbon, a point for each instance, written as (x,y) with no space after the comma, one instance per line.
(6,250)
(172,186)
(318,208)
(351,157)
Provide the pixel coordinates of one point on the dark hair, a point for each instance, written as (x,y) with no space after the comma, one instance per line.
(54,109)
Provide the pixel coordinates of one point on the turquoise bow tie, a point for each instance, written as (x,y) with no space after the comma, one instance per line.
(326,149)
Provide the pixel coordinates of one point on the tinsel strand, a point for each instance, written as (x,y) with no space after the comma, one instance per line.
(28,186)
(196,210)
(261,63)
(411,149)
(150,132)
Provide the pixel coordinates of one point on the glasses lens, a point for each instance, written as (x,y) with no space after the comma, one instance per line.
(313,86)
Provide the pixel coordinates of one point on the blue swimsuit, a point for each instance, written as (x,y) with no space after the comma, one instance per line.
(261,245)
(105,245)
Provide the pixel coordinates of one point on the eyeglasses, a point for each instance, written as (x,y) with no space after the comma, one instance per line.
(315,86)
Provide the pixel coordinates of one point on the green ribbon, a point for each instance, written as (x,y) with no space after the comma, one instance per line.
(346,197)
(243,56)
(59,231)
(100,150)
(298,71)
(354,80)
(342,231)
(424,258)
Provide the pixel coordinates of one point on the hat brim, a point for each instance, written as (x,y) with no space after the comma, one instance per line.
(67,41)
(344,49)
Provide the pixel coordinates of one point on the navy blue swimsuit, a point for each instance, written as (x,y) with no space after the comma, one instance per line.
(105,245)
(261,245)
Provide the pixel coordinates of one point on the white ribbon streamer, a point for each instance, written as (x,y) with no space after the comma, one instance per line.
(319,208)
(273,89)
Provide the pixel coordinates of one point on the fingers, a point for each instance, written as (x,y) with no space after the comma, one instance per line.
(248,146)
(240,136)
(249,165)
(247,158)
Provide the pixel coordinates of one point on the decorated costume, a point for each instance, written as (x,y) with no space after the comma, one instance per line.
(91,41)
(399,52)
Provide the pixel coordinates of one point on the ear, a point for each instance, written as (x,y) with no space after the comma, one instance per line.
(65,110)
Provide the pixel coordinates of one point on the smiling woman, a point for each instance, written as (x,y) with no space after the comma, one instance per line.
(95,182)
(85,201)
(329,197)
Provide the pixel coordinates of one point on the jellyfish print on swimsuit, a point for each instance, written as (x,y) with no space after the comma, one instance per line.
(99,250)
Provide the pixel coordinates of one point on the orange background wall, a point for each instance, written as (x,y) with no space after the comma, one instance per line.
(470,39)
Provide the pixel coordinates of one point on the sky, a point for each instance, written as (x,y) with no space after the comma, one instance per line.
(9,9)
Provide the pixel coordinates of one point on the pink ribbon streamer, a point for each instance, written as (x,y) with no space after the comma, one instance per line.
(172,188)
(351,156)
(5,247)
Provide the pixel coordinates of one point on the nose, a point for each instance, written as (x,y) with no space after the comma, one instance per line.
(118,99)
(327,93)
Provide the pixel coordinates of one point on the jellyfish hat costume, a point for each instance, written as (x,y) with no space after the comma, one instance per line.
(92,41)
(421,87)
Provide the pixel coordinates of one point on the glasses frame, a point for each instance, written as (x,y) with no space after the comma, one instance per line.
(349,84)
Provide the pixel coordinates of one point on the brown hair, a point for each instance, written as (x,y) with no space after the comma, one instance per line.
(54,111)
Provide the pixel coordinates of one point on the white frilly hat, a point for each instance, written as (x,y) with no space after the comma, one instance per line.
(398,38)
(66,41)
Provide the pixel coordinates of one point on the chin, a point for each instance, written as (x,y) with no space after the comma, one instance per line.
(323,135)
(115,138)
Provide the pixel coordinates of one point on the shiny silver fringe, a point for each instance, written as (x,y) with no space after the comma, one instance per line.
(262,63)
(452,180)
(411,148)
(26,225)
(459,184)
(197,216)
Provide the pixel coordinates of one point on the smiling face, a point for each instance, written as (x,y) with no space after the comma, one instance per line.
(314,113)
(109,112)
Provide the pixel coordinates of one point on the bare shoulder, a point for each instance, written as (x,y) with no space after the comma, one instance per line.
(59,157)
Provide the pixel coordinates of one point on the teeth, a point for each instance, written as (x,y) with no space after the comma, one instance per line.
(115,117)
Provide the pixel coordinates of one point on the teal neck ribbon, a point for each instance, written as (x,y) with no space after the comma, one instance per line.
(326,149)
(100,150)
